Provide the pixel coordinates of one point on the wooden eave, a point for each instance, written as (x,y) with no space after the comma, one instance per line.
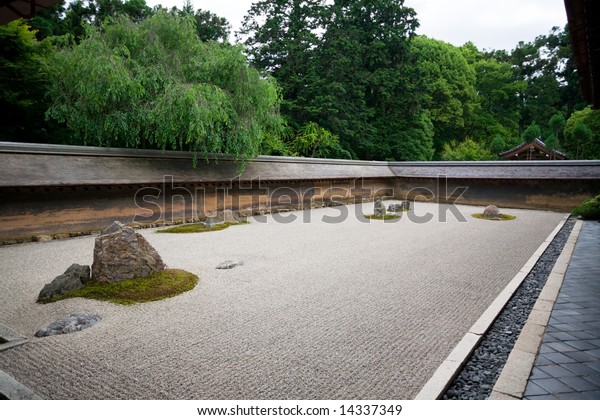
(584,27)
(15,9)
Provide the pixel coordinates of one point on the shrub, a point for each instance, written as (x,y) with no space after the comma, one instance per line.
(589,209)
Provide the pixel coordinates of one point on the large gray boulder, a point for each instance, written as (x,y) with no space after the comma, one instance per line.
(72,279)
(120,254)
(74,322)
(379,207)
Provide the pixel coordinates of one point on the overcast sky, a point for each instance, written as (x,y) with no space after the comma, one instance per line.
(489,24)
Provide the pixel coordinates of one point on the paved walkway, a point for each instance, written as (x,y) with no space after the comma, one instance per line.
(568,363)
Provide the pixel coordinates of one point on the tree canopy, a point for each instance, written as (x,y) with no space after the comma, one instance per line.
(328,78)
(582,134)
(23,76)
(155,84)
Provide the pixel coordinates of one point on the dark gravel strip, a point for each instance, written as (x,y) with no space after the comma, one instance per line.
(476,380)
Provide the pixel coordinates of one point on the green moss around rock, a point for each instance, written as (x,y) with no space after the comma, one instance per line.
(589,209)
(165,284)
(200,227)
(386,217)
(502,217)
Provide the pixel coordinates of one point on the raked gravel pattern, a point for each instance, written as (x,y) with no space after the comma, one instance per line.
(358,309)
(477,379)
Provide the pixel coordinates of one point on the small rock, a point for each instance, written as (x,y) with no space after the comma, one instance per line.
(72,279)
(113,228)
(226,265)
(491,212)
(74,322)
(227,216)
(209,223)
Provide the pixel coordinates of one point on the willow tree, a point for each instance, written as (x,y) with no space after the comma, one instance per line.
(154,84)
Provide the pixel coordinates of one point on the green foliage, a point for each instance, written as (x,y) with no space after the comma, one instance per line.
(497,86)
(557,124)
(211,27)
(448,87)
(155,84)
(281,37)
(23,75)
(582,135)
(49,22)
(531,133)
(589,209)
(548,68)
(313,141)
(467,150)
(342,67)
(159,286)
(498,144)
(552,142)
(368,96)
(354,69)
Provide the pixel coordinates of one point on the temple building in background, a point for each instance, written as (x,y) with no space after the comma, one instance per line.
(533,150)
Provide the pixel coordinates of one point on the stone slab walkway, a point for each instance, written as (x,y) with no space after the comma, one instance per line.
(568,363)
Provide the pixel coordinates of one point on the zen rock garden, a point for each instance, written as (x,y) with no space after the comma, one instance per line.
(492,212)
(380,212)
(120,254)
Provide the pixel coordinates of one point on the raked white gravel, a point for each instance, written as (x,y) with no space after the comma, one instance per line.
(347,310)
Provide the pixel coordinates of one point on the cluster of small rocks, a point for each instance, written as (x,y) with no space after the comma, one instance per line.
(477,379)
(119,254)
(405,205)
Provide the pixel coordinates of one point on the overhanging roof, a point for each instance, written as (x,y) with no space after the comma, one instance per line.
(14,9)
(45,165)
(584,26)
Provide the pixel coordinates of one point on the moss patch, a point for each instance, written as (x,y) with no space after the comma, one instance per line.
(386,217)
(200,227)
(502,217)
(160,286)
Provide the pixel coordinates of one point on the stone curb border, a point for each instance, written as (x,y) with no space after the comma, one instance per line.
(13,390)
(10,338)
(514,376)
(9,387)
(447,371)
